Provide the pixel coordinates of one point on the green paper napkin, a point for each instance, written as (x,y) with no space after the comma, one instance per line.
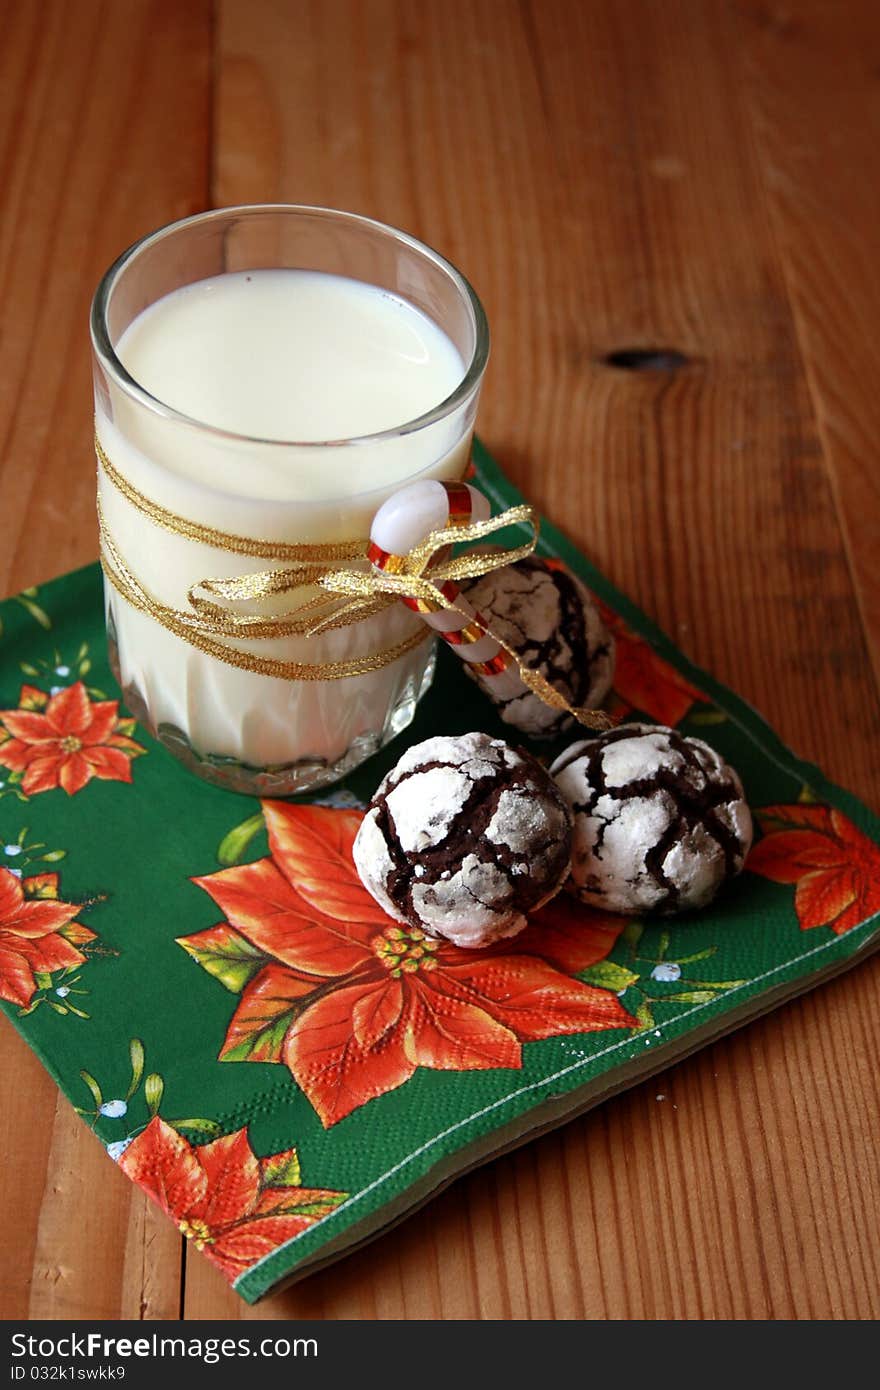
(279,1065)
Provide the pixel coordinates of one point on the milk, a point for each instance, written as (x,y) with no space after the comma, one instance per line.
(275,362)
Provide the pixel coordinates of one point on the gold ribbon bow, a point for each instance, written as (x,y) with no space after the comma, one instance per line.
(348,595)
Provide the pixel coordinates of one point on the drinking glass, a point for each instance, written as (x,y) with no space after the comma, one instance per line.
(249,729)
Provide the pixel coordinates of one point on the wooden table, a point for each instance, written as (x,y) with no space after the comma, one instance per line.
(670,210)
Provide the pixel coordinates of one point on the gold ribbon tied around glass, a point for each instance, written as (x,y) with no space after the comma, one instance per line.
(350,591)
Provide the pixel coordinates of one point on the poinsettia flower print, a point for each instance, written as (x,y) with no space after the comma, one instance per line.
(353,1002)
(37,934)
(643,680)
(65,740)
(235,1207)
(835,866)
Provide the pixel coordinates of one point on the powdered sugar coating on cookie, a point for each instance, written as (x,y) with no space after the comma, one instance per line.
(550,619)
(463,838)
(660,820)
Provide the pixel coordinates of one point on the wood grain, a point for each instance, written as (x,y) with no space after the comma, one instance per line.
(644,177)
(104,130)
(599,181)
(817,159)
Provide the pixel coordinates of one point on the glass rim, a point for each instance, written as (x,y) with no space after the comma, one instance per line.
(107,356)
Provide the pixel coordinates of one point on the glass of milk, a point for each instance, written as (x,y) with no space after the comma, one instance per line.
(273,373)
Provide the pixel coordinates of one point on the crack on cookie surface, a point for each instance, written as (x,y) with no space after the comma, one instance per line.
(571,657)
(692,795)
(527,870)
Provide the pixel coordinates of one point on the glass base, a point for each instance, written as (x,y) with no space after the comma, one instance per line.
(284,779)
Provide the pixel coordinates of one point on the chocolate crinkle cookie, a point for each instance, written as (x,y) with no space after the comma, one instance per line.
(660,820)
(463,838)
(552,623)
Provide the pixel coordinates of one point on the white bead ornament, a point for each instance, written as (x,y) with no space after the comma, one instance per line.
(403,522)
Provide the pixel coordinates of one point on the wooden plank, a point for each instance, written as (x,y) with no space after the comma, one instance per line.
(108,139)
(598,180)
(102,1250)
(104,128)
(588,173)
(812,76)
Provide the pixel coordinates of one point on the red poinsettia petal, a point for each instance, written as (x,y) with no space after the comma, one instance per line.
(801,815)
(835,865)
(241,1246)
(645,680)
(261,903)
(70,711)
(852,916)
(109,764)
(165,1165)
(290,1200)
(38,916)
(566,933)
(869,895)
(784,856)
(856,842)
(47,953)
(28,726)
(29,697)
(450,1034)
(41,885)
(74,771)
(329,1064)
(17,755)
(375,1012)
(17,983)
(279,1170)
(102,722)
(233,1180)
(77,934)
(811,850)
(11,895)
(649,683)
(823,896)
(42,773)
(128,745)
(257,1029)
(312,847)
(535,1000)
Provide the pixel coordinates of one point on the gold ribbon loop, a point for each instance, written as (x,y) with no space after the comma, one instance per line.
(225,540)
(208,638)
(344,595)
(421,573)
(321,613)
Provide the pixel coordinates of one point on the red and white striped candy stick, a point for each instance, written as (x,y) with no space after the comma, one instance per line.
(403,522)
